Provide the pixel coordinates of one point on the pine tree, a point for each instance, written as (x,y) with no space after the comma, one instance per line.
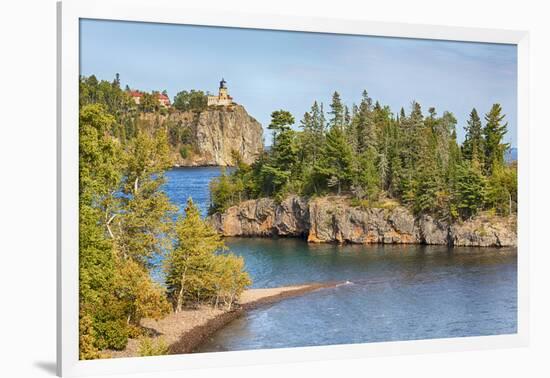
(312,140)
(470,190)
(368,174)
(365,132)
(283,158)
(196,242)
(493,133)
(473,148)
(194,270)
(337,112)
(337,164)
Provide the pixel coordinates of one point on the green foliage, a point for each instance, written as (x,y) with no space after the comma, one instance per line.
(115,100)
(126,220)
(178,134)
(87,349)
(502,190)
(111,334)
(337,159)
(152,347)
(138,294)
(223,193)
(368,153)
(149,103)
(493,133)
(193,100)
(473,147)
(278,169)
(470,190)
(185,151)
(143,229)
(196,271)
(368,175)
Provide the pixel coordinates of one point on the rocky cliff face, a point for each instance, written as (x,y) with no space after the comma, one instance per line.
(213,135)
(325,220)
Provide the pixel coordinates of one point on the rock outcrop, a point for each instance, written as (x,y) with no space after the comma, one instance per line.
(213,135)
(333,219)
(264,217)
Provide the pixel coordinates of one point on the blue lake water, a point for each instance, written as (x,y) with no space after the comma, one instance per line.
(394,292)
(184,183)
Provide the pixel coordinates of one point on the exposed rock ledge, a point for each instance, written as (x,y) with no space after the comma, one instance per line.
(332,219)
(214,134)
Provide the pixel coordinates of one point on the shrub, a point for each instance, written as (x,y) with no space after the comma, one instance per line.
(112,334)
(150,347)
(87,350)
(389,204)
(355,202)
(135,331)
(185,152)
(363,204)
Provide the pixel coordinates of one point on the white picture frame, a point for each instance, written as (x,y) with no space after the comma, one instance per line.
(171,11)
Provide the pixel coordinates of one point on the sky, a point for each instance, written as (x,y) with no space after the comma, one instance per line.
(268,70)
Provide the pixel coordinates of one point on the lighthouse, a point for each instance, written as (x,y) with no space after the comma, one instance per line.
(223,98)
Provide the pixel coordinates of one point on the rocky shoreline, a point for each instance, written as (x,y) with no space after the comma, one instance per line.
(334,220)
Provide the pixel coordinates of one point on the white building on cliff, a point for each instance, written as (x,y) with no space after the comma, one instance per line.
(223,98)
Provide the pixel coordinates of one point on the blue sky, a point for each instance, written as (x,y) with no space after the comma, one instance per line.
(270,70)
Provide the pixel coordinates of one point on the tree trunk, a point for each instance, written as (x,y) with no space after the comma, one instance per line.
(108,224)
(179,305)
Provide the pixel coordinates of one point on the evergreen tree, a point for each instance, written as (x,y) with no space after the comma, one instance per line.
(368,177)
(473,148)
(470,191)
(196,243)
(194,270)
(337,164)
(365,132)
(282,162)
(371,153)
(337,111)
(493,133)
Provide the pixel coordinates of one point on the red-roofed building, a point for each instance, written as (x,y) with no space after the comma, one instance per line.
(136,96)
(163,99)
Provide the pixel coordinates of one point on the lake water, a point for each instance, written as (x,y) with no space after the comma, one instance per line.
(393,292)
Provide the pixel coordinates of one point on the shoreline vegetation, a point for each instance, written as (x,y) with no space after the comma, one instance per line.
(377,157)
(127,223)
(364,152)
(185,331)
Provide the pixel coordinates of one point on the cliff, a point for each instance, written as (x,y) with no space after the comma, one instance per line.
(209,137)
(333,219)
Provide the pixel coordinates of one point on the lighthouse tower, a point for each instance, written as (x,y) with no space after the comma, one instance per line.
(223,98)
